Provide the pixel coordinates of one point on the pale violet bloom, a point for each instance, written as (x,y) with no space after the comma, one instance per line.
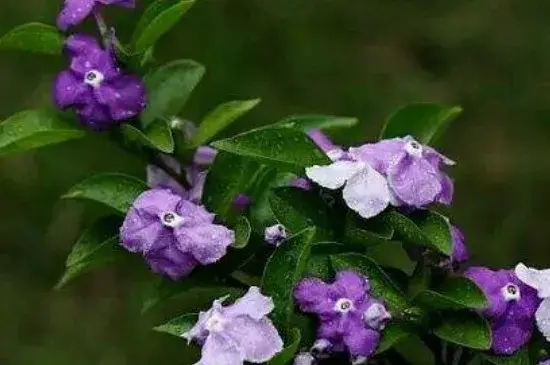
(366,191)
(540,281)
(231,335)
(275,234)
(304,358)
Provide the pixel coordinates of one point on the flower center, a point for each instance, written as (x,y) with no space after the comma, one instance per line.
(511,292)
(343,305)
(215,323)
(93,78)
(171,219)
(414,148)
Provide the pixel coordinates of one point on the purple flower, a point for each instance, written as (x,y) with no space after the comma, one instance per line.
(540,281)
(173,234)
(304,358)
(460,251)
(75,11)
(511,309)
(96,87)
(333,151)
(301,183)
(242,202)
(275,234)
(348,320)
(237,333)
(413,170)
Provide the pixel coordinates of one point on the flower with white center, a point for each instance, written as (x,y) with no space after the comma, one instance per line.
(343,305)
(171,219)
(94,78)
(540,281)
(231,335)
(511,292)
(365,191)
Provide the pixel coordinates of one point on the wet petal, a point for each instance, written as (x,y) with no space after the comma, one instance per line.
(491,283)
(220,350)
(414,181)
(354,285)
(367,193)
(74,12)
(68,90)
(543,318)
(124,97)
(253,304)
(334,176)
(537,279)
(171,262)
(509,334)
(258,340)
(381,155)
(460,251)
(81,45)
(140,232)
(158,178)
(94,116)
(360,340)
(447,190)
(312,296)
(208,243)
(193,213)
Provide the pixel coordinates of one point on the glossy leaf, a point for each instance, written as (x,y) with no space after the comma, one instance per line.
(242,233)
(179,325)
(454,293)
(466,329)
(424,228)
(169,88)
(158,18)
(34,129)
(381,284)
(33,37)
(157,135)
(291,347)
(116,191)
(229,176)
(519,358)
(423,121)
(288,149)
(308,122)
(391,335)
(95,248)
(283,271)
(220,118)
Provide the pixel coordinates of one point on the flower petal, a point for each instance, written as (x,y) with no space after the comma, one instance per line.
(74,12)
(94,116)
(171,262)
(460,251)
(220,350)
(354,286)
(207,242)
(491,283)
(258,340)
(360,340)
(124,97)
(334,176)
(447,189)
(509,334)
(253,304)
(140,232)
(537,279)
(194,214)
(312,296)
(543,318)
(68,90)
(367,193)
(414,181)
(381,155)
(81,45)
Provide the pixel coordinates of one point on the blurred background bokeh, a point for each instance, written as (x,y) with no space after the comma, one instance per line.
(358,58)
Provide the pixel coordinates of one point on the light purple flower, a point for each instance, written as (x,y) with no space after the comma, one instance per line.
(341,308)
(545,362)
(301,183)
(96,87)
(275,234)
(304,358)
(412,169)
(75,11)
(231,335)
(540,281)
(173,234)
(511,309)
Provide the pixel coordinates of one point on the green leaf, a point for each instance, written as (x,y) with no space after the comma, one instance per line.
(242,233)
(381,284)
(34,129)
(158,18)
(288,149)
(229,176)
(33,37)
(292,346)
(453,293)
(308,122)
(423,121)
(169,88)
(157,135)
(426,228)
(221,117)
(466,329)
(116,191)
(283,271)
(179,325)
(95,248)
(519,358)
(392,334)
(297,209)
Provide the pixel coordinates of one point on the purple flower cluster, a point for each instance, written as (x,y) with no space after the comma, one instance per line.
(398,171)
(350,318)
(237,333)
(511,309)
(94,84)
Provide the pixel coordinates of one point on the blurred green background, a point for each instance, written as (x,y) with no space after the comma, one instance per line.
(359,58)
